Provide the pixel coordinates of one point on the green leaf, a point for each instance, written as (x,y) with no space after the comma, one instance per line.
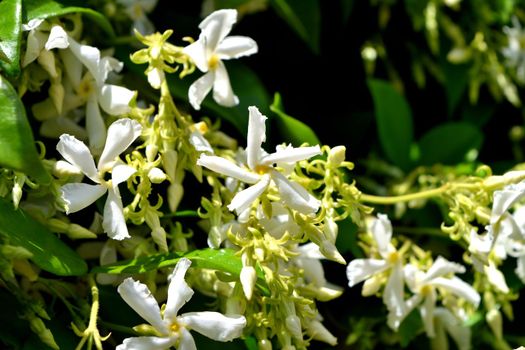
(10,36)
(17,147)
(50,8)
(49,252)
(448,143)
(223,260)
(293,130)
(394,122)
(347,238)
(456,81)
(304,17)
(410,328)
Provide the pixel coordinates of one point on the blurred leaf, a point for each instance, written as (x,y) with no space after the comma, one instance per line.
(10,36)
(347,238)
(410,328)
(17,147)
(478,114)
(449,143)
(49,252)
(304,16)
(215,259)
(51,8)
(346,9)
(293,130)
(229,4)
(394,122)
(456,82)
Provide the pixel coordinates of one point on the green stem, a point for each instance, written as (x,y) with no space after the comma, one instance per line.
(368,198)
(118,328)
(421,231)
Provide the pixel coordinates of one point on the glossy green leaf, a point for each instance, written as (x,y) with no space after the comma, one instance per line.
(449,143)
(304,17)
(17,147)
(223,260)
(394,122)
(291,129)
(10,36)
(49,252)
(50,8)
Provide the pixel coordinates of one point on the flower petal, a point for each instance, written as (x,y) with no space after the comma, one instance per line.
(427,313)
(114,99)
(222,89)
(35,43)
(393,293)
(458,287)
(245,198)
(121,135)
(58,39)
(312,269)
(77,153)
(360,269)
(291,155)
(121,173)
(505,198)
(256,136)
(178,292)
(294,195)
(114,223)
(78,195)
(198,53)
(139,298)
(225,167)
(520,268)
(186,341)
(199,89)
(442,267)
(90,57)
(200,143)
(460,333)
(381,229)
(216,26)
(235,47)
(147,343)
(95,126)
(72,66)
(214,325)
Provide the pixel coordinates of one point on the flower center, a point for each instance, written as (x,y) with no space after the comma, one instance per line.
(137,11)
(393,257)
(262,169)
(213,62)
(425,290)
(85,88)
(175,327)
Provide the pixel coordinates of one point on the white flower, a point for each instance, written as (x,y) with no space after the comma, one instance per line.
(514,52)
(174,329)
(92,87)
(261,171)
(77,196)
(424,284)
(446,322)
(136,10)
(207,53)
(362,269)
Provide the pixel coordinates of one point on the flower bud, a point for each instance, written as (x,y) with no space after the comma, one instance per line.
(151,152)
(39,328)
(248,278)
(156,175)
(175,193)
(169,160)
(293,324)
(75,231)
(14,252)
(317,331)
(336,156)
(264,344)
(495,322)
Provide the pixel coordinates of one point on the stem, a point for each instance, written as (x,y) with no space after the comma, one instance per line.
(368,198)
(421,231)
(118,328)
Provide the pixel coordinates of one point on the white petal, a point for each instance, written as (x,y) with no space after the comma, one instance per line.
(147,343)
(458,287)
(442,267)
(248,278)
(291,155)
(427,313)
(216,26)
(235,47)
(178,292)
(505,199)
(496,277)
(32,24)
(121,135)
(121,173)
(148,5)
(95,126)
(520,268)
(310,250)
(225,167)
(200,143)
(294,195)
(186,341)
(77,153)
(256,136)
(78,195)
(35,43)
(155,77)
(360,269)
(114,99)
(214,325)
(313,270)
(90,57)
(381,229)
(139,298)
(58,39)
(199,89)
(114,223)
(393,293)
(394,319)
(222,89)
(245,198)
(198,53)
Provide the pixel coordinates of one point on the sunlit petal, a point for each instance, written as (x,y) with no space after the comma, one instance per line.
(222,89)
(214,325)
(77,153)
(294,195)
(256,136)
(225,167)
(121,135)
(114,99)
(114,223)
(199,89)
(178,292)
(360,269)
(235,47)
(77,196)
(245,198)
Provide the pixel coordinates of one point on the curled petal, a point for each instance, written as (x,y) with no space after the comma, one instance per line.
(77,153)
(442,267)
(256,136)
(114,223)
(121,173)
(114,99)
(458,287)
(235,47)
(90,57)
(199,89)
(147,343)
(245,198)
(505,198)
(58,39)
(78,196)
(393,293)
(121,135)
(294,195)
(139,298)
(35,43)
(360,269)
(222,89)
(216,26)
(214,325)
(225,167)
(178,292)
(381,229)
(291,155)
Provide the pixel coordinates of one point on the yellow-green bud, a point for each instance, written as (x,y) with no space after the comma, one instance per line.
(264,344)
(169,160)
(39,328)
(293,324)
(151,152)
(156,175)
(336,156)
(175,193)
(75,231)
(14,252)
(248,278)
(495,322)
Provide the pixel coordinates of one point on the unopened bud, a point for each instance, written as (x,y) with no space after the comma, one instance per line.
(264,344)
(56,92)
(495,322)
(39,328)
(329,250)
(317,331)
(156,175)
(151,152)
(248,278)
(169,160)
(371,286)
(14,252)
(57,225)
(175,193)
(75,231)
(293,324)
(337,155)
(159,236)
(24,268)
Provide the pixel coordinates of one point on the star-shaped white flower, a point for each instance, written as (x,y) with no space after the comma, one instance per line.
(92,87)
(208,52)
(362,269)
(261,172)
(173,329)
(78,196)
(424,284)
